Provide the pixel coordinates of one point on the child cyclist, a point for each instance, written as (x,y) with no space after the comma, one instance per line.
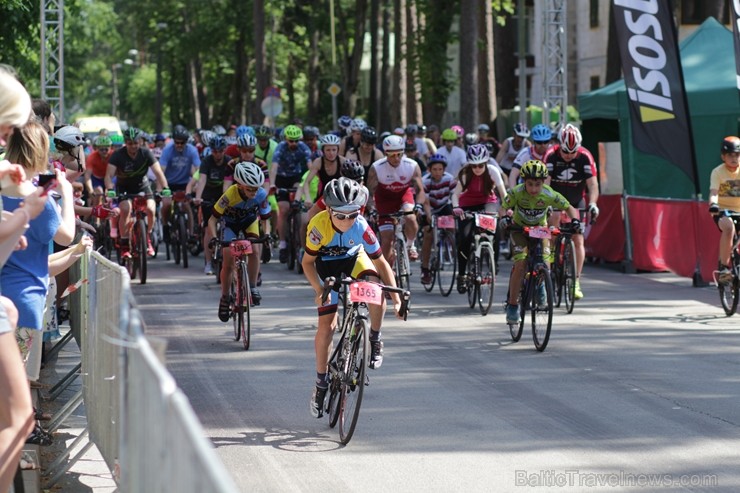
(241,206)
(475,192)
(438,186)
(340,243)
(528,204)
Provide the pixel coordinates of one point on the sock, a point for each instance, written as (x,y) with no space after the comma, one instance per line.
(374,335)
(321,380)
(283,244)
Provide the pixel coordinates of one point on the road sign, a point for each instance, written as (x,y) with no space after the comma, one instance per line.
(271,106)
(271,91)
(334,89)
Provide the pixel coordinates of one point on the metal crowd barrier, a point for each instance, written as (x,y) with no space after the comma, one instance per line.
(143,425)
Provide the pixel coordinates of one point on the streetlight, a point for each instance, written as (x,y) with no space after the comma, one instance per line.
(161,26)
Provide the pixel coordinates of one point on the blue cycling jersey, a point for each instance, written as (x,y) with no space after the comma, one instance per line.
(177,164)
(291,163)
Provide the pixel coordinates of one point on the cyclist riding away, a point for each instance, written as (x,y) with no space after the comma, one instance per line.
(528,204)
(340,243)
(391,184)
(572,173)
(129,165)
(724,194)
(241,207)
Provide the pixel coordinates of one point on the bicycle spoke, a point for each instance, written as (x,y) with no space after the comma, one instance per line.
(447,264)
(487,275)
(542,312)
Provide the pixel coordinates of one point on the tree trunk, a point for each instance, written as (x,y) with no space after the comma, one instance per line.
(290,90)
(504,38)
(314,91)
(353,62)
(432,58)
(468,64)
(398,106)
(413,89)
(260,55)
(383,111)
(240,71)
(372,107)
(486,76)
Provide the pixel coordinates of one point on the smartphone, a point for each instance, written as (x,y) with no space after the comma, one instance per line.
(47,182)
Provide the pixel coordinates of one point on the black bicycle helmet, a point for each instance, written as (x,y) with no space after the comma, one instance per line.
(369,135)
(353,170)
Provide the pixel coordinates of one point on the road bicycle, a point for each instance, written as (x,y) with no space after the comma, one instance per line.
(729,290)
(349,359)
(178,226)
(564,268)
(293,229)
(401,265)
(240,292)
(443,256)
(480,271)
(136,263)
(157,235)
(537,281)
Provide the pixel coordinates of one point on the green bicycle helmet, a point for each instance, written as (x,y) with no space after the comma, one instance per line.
(449,134)
(102,141)
(534,169)
(293,132)
(131,133)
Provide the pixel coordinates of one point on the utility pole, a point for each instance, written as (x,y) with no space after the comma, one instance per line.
(555,60)
(52,55)
(161,26)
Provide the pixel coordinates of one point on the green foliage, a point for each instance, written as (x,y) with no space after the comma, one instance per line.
(503,9)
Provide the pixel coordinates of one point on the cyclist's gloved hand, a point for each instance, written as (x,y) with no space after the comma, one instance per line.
(111,194)
(296,204)
(593,209)
(213,243)
(713,208)
(166,192)
(101,212)
(505,222)
(458,212)
(577,226)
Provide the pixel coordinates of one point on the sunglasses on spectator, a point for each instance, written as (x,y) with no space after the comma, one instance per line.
(341,216)
(179,142)
(394,154)
(246,149)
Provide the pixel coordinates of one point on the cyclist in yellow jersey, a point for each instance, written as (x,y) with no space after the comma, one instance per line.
(724,194)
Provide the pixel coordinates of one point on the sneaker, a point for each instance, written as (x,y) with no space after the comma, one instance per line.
(224,310)
(256,297)
(503,247)
(512,314)
(426,276)
(724,276)
(283,255)
(125,254)
(376,354)
(208,270)
(579,294)
(541,295)
(149,247)
(413,254)
(461,284)
(316,405)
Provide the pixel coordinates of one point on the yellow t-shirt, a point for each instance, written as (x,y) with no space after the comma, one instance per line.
(728,184)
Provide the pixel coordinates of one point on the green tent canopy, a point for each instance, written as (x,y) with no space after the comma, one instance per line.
(708,60)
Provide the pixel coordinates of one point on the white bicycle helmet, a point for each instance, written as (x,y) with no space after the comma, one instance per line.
(330,140)
(394,143)
(345,195)
(69,136)
(246,140)
(477,154)
(248,174)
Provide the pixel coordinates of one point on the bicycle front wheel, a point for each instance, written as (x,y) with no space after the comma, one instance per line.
(353,384)
(728,295)
(237,310)
(487,274)
(516,330)
(141,245)
(182,226)
(569,276)
(402,265)
(471,286)
(245,299)
(541,312)
(446,263)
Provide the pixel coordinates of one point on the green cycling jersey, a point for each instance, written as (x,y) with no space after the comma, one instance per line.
(531,210)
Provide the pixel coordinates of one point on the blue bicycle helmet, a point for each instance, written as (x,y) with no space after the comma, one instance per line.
(243,130)
(541,133)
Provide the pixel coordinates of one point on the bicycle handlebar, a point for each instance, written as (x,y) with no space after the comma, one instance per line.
(331,281)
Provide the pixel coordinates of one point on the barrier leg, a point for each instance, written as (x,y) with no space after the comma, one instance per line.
(628,267)
(65,411)
(65,382)
(59,345)
(58,468)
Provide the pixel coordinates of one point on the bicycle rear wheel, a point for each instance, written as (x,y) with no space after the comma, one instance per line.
(541,313)
(447,263)
(487,273)
(569,276)
(728,295)
(336,364)
(433,263)
(237,308)
(471,286)
(141,245)
(353,385)
(182,226)
(245,298)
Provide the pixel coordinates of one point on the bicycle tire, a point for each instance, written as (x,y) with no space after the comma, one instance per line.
(336,362)
(401,265)
(541,314)
(216,263)
(296,234)
(471,286)
(245,299)
(175,242)
(290,240)
(556,273)
(569,276)
(524,297)
(487,273)
(182,226)
(156,235)
(354,385)
(447,264)
(728,295)
(433,263)
(237,309)
(142,246)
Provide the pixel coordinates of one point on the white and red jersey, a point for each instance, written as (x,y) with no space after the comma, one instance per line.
(393,182)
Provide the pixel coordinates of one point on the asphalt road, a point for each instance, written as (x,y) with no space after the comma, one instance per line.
(638,389)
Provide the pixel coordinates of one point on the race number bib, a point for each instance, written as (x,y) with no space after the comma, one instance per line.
(241,247)
(542,232)
(486,222)
(445,222)
(365,292)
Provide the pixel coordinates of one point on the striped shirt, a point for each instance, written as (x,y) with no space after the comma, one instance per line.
(439,192)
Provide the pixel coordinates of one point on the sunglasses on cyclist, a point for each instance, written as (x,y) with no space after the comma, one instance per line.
(292,141)
(249,189)
(246,149)
(179,142)
(103,149)
(394,154)
(478,166)
(341,216)
(541,142)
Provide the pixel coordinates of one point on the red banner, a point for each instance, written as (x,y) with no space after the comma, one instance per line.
(707,235)
(605,238)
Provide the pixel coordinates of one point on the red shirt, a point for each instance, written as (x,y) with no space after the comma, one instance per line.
(97,164)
